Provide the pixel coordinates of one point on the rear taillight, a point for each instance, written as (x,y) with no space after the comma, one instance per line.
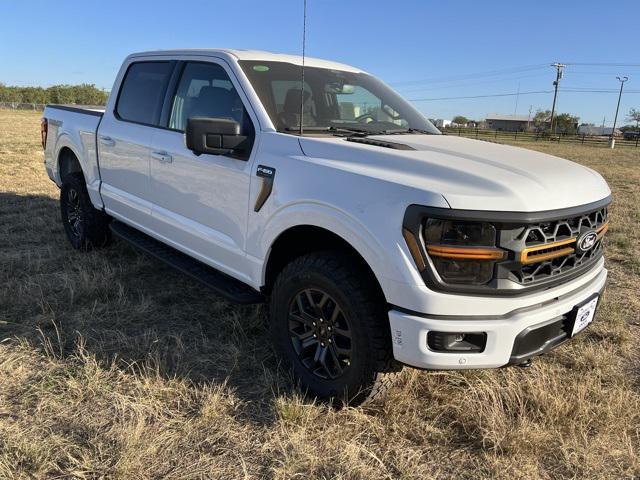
(44,130)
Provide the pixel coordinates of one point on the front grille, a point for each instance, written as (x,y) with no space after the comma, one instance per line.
(547,250)
(550,232)
(544,270)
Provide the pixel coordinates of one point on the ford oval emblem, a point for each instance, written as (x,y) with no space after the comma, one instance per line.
(586,241)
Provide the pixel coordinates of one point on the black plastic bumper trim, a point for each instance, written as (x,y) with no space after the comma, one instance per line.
(559,332)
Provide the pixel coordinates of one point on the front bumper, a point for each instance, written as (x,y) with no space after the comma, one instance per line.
(409,331)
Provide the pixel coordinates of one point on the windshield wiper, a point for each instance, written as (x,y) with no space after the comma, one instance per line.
(359,131)
(402,131)
(419,130)
(389,131)
(346,131)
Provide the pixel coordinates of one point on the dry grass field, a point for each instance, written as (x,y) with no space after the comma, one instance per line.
(113,365)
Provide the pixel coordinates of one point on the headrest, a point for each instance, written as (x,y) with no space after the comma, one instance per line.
(216,95)
(292,100)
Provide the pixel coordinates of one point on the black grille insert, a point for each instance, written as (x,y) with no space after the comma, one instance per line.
(557,235)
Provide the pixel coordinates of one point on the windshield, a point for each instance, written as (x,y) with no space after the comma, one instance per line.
(334,100)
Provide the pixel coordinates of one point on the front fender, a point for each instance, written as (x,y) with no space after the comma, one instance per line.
(380,258)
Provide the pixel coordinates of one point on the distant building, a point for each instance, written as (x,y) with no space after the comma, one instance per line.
(597,131)
(509,123)
(440,123)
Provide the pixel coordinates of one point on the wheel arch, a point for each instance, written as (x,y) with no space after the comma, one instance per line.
(299,240)
(68,162)
(78,157)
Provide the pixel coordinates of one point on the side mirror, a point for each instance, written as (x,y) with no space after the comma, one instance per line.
(216,136)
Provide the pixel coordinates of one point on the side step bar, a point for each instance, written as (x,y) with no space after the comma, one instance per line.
(221,283)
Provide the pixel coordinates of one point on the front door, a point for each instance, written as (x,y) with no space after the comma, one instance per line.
(200,202)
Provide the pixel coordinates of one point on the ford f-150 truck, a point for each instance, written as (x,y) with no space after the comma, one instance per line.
(377,241)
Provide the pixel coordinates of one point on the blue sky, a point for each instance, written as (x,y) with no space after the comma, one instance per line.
(424,49)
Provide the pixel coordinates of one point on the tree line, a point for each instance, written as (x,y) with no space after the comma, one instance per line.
(84,94)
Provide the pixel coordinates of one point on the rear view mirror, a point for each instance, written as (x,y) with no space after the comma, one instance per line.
(215,136)
(339,88)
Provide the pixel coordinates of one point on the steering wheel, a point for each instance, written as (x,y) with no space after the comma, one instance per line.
(364,116)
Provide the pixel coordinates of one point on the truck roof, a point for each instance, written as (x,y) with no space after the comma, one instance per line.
(258,55)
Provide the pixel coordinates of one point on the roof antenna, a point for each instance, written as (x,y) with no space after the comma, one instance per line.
(304,39)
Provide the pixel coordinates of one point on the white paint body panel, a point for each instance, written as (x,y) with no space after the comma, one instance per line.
(124,168)
(203,205)
(470,174)
(201,202)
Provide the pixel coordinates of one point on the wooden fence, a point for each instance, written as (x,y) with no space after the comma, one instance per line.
(503,136)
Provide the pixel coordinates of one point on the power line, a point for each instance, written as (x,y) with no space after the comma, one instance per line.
(590,72)
(511,94)
(467,76)
(465,83)
(604,64)
(595,90)
(507,71)
(480,96)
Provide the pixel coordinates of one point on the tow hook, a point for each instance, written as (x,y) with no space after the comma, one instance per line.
(526,364)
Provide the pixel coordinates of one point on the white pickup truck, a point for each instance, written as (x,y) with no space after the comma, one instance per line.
(377,241)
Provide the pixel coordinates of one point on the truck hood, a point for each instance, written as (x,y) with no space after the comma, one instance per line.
(469,174)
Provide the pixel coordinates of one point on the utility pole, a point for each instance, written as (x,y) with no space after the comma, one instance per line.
(612,141)
(529,119)
(558,67)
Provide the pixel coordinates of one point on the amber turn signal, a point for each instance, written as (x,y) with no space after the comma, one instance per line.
(465,253)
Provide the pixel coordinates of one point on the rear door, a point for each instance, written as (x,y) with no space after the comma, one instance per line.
(200,202)
(124,141)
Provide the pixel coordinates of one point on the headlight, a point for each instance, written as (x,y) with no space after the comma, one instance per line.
(453,232)
(460,252)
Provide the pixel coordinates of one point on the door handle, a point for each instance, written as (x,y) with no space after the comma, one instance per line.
(107,141)
(163,157)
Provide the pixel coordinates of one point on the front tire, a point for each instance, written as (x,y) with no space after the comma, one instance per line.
(330,326)
(85,226)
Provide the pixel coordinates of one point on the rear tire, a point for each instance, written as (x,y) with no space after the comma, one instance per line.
(85,226)
(330,326)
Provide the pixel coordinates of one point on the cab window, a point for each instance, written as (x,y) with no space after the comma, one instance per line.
(143,91)
(205,90)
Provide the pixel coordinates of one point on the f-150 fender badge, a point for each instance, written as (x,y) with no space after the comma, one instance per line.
(267,174)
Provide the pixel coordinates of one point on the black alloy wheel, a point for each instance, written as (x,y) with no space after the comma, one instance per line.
(85,226)
(320,333)
(74,213)
(329,325)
